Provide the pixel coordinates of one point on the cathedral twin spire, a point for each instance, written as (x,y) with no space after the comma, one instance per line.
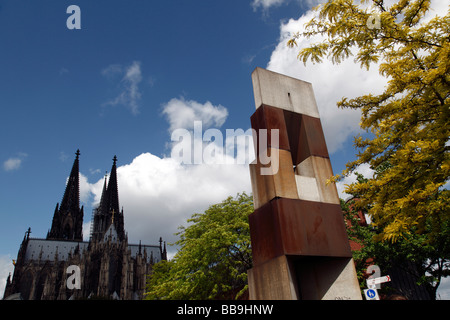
(71,198)
(67,221)
(108,212)
(109,266)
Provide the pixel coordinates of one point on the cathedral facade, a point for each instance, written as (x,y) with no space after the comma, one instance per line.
(62,266)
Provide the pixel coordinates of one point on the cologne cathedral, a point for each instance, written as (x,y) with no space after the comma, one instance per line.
(108,266)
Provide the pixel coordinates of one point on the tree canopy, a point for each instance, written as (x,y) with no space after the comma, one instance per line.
(408,125)
(426,260)
(213,257)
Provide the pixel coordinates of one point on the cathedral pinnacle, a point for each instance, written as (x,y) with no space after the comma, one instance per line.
(108,212)
(67,220)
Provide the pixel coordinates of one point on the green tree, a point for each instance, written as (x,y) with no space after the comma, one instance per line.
(430,255)
(408,125)
(213,257)
(431,259)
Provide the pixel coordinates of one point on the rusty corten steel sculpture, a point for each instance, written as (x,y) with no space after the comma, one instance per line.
(299,242)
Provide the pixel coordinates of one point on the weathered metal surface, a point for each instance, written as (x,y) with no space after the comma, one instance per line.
(300,134)
(268,118)
(299,241)
(280,184)
(297,227)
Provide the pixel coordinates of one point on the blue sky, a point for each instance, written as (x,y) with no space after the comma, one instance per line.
(57,94)
(120,84)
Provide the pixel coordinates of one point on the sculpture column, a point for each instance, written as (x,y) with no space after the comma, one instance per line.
(299,242)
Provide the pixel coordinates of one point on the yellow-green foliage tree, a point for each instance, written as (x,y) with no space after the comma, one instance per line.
(213,257)
(408,125)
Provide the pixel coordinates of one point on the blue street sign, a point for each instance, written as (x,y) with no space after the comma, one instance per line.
(371,293)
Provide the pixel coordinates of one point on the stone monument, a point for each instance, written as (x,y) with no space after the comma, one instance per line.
(299,242)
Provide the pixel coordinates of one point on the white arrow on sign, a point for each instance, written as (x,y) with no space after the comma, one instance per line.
(374,281)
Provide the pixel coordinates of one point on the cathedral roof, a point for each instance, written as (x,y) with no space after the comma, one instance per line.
(47,250)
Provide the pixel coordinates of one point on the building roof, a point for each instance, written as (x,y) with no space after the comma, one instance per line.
(47,249)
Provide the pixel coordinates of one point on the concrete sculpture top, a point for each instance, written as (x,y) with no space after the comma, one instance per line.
(283,92)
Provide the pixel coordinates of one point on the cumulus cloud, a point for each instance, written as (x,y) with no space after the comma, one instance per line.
(130,94)
(196,137)
(363,169)
(86,230)
(159,194)
(182,113)
(437,8)
(332,82)
(112,71)
(86,189)
(265,4)
(14,163)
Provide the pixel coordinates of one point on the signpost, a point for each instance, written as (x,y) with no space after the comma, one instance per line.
(371,293)
(375,281)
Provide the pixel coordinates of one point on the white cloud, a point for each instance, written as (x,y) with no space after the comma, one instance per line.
(94,171)
(330,82)
(63,156)
(130,94)
(6,267)
(182,113)
(159,194)
(14,163)
(90,194)
(265,4)
(111,71)
(363,169)
(86,230)
(85,189)
(437,8)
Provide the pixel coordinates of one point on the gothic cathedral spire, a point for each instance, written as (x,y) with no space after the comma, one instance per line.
(108,211)
(71,198)
(67,221)
(113,192)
